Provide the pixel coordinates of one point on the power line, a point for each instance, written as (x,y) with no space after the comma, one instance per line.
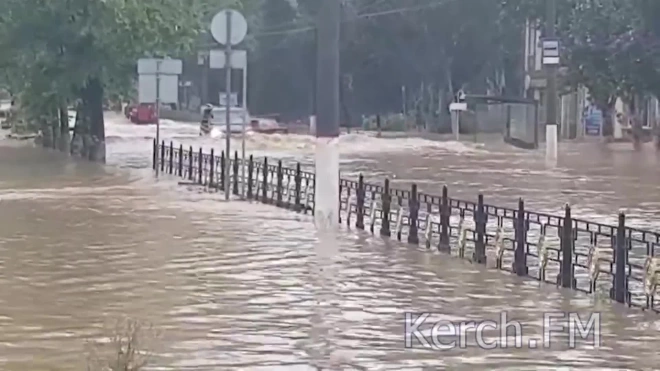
(359,17)
(372,15)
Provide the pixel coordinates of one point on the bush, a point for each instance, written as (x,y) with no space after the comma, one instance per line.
(128,348)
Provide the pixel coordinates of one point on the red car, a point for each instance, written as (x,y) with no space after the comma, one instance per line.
(144,113)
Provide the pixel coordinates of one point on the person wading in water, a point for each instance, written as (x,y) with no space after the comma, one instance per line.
(205,126)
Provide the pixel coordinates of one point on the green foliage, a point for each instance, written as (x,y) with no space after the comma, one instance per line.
(51,49)
(387,44)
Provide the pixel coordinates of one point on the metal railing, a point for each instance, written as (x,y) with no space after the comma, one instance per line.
(573,253)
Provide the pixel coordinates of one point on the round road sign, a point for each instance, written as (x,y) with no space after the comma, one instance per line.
(238,27)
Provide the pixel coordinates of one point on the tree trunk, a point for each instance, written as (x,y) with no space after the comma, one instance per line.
(94,138)
(55,128)
(79,128)
(607,110)
(64,130)
(46,132)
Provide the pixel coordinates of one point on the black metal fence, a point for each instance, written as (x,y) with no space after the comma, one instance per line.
(591,257)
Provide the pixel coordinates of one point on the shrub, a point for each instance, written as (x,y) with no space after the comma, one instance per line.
(128,348)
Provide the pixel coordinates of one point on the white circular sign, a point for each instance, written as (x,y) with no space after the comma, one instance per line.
(238,27)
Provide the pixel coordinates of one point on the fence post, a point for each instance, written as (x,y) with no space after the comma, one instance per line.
(445,215)
(279,183)
(249,177)
(520,259)
(235,173)
(200,170)
(341,189)
(222,172)
(180,160)
(154,154)
(298,186)
(162,156)
(190,163)
(264,188)
(413,233)
(359,207)
(567,249)
(171,164)
(386,199)
(211,168)
(480,221)
(620,286)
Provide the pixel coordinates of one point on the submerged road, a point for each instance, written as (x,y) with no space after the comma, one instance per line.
(235,285)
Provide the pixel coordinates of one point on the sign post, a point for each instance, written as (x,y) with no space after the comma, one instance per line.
(456,108)
(157,68)
(229,28)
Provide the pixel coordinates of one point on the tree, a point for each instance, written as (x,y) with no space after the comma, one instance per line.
(69,52)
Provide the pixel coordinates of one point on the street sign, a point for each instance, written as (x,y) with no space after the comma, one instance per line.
(152,66)
(238,26)
(458,107)
(158,80)
(460,96)
(550,52)
(238,59)
(153,88)
(202,55)
(233,100)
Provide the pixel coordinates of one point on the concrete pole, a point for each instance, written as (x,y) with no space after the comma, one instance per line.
(551,106)
(245,123)
(312,117)
(157,108)
(327,116)
(325,325)
(228,107)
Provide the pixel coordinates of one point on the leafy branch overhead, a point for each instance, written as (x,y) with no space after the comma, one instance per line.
(71,41)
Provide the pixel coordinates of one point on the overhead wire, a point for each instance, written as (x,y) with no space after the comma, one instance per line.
(358,17)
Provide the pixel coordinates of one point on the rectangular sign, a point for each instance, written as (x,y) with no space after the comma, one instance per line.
(169,89)
(152,66)
(238,59)
(550,52)
(458,107)
(223,99)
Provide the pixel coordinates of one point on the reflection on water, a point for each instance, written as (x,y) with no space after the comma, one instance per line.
(237,285)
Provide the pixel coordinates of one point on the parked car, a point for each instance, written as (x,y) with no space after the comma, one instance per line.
(267,126)
(219,119)
(144,113)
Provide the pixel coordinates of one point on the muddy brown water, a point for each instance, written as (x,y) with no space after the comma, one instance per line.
(238,285)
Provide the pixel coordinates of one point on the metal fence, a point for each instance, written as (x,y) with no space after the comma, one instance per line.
(591,257)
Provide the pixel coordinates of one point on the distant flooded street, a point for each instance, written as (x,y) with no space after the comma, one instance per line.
(235,285)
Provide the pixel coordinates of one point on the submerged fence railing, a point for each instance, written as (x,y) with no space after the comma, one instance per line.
(573,253)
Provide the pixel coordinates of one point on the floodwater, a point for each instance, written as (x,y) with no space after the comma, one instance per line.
(233,285)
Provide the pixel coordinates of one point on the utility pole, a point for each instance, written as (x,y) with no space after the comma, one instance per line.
(158,66)
(227,107)
(205,80)
(326,181)
(315,60)
(551,132)
(327,111)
